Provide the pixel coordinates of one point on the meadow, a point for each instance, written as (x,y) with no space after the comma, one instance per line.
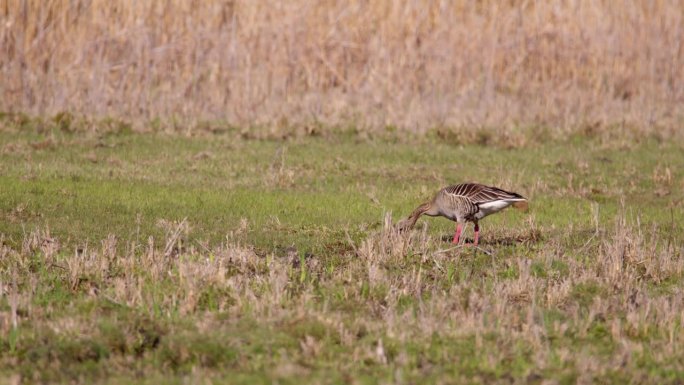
(148,257)
(206,191)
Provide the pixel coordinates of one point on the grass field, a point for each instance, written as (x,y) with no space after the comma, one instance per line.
(151,257)
(205,191)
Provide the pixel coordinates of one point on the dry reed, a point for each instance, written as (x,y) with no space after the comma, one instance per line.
(557,66)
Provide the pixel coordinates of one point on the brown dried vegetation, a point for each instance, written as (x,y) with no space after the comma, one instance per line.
(541,310)
(528,69)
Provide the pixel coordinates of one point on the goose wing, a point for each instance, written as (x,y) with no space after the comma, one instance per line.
(480,194)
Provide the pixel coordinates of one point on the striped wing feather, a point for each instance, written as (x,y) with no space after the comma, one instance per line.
(480,194)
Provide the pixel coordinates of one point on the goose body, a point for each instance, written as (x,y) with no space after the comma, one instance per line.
(466,202)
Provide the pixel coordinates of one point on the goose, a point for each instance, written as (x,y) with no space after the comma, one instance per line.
(462,203)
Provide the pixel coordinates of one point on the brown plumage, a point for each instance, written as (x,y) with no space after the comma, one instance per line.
(466,202)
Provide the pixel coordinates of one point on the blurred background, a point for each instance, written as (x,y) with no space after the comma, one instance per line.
(519,68)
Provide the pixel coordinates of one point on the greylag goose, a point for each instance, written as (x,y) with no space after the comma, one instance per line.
(466,202)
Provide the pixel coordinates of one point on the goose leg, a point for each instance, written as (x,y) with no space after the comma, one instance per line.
(477,234)
(457,234)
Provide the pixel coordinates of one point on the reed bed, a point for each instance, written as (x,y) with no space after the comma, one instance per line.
(554,67)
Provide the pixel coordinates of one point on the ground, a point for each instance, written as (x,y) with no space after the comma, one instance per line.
(152,257)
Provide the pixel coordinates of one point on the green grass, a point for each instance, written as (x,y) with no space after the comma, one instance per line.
(307,192)
(213,310)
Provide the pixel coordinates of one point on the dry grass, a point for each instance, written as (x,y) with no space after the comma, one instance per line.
(598,67)
(585,313)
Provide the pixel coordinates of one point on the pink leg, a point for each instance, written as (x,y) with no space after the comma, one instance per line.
(457,234)
(477,234)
